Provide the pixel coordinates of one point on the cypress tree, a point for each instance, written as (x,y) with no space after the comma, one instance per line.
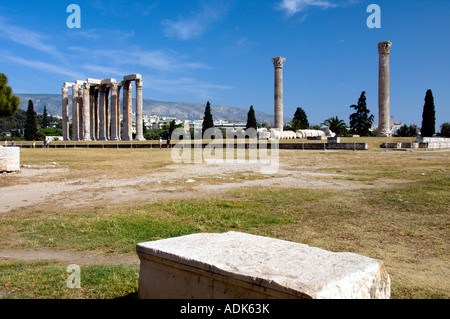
(31,129)
(300,121)
(360,121)
(251,119)
(429,116)
(208,121)
(9,103)
(45,120)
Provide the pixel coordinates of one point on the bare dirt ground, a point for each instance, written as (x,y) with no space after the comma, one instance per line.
(48,187)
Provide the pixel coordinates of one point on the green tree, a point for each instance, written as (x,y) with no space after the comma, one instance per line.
(361,121)
(45,120)
(445,130)
(336,126)
(429,116)
(171,127)
(9,103)
(208,121)
(144,127)
(408,131)
(300,120)
(251,119)
(31,129)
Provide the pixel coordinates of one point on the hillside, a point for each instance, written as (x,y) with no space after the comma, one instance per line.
(179,110)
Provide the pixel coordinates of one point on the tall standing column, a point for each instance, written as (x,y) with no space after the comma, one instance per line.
(65,112)
(96,116)
(75,116)
(139,111)
(114,106)
(107,114)
(278,65)
(92,112)
(80,112)
(127,111)
(384,95)
(119,130)
(86,113)
(102,114)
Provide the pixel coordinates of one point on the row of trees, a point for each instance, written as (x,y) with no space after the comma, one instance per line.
(361,121)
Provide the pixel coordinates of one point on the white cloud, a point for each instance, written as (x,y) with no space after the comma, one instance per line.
(186,28)
(28,38)
(294,6)
(42,66)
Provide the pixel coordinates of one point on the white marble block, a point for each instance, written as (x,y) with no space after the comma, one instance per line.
(242,266)
(9,159)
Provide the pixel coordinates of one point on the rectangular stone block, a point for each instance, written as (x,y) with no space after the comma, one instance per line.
(434,142)
(334,140)
(9,159)
(242,266)
(132,77)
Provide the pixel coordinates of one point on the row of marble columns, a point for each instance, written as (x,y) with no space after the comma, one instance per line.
(96,110)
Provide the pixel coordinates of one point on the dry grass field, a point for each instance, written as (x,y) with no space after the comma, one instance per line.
(92,206)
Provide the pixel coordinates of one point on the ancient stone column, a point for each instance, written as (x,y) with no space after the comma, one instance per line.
(384,101)
(86,113)
(92,112)
(107,114)
(127,133)
(96,115)
(75,116)
(114,106)
(65,112)
(119,131)
(102,114)
(139,111)
(80,112)
(278,64)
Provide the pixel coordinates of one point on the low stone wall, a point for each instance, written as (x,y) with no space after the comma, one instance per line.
(412,145)
(241,266)
(9,159)
(281,146)
(433,142)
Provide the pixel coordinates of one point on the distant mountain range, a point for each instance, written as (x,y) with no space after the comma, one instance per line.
(178,110)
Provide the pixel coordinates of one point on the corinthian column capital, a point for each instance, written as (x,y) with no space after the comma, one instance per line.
(384,47)
(278,62)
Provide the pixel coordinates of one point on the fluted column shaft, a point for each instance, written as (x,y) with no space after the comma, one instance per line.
(102,114)
(139,111)
(86,113)
(278,96)
(75,116)
(114,106)
(65,113)
(384,94)
(127,111)
(92,113)
(80,112)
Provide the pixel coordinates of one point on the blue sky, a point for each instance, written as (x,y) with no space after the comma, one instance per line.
(220,51)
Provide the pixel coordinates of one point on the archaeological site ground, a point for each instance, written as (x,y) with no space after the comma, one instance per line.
(91,207)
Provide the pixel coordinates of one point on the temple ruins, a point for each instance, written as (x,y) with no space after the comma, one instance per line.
(96,109)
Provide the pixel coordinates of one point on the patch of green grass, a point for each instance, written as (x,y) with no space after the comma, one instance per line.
(48,280)
(119,230)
